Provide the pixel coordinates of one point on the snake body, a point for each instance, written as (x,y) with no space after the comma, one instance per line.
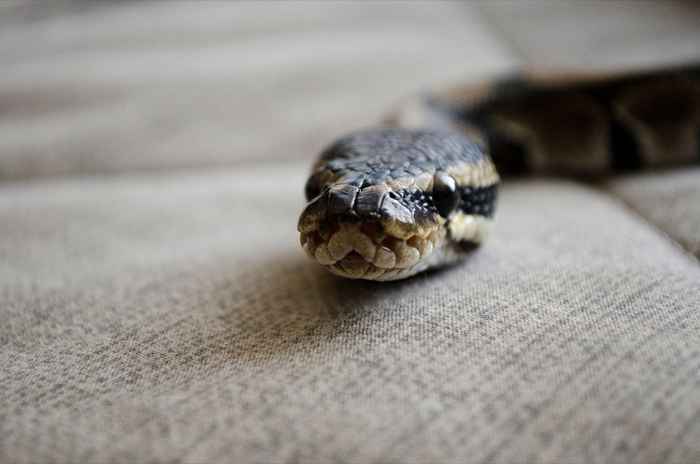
(420,192)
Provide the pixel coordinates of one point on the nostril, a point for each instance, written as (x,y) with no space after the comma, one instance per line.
(312,189)
(373,229)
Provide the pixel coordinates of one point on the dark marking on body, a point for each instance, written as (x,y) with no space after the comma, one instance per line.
(479,201)
(624,148)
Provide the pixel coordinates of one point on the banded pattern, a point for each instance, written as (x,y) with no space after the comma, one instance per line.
(387,203)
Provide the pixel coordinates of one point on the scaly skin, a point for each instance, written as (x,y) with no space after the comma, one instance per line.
(386,204)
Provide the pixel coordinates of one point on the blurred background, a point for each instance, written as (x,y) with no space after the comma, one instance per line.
(113,87)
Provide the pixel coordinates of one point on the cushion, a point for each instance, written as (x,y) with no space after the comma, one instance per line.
(160,319)
(670,200)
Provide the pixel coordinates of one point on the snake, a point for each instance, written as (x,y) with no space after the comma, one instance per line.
(419,191)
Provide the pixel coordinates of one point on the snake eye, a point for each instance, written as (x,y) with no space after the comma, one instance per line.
(445,194)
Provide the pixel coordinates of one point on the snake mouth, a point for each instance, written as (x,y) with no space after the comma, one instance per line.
(368,251)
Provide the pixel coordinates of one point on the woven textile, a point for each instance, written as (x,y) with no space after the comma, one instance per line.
(670,200)
(138,332)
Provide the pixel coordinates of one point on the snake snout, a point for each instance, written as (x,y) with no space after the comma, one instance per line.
(365,234)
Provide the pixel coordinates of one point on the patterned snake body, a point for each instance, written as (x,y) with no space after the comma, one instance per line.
(387,203)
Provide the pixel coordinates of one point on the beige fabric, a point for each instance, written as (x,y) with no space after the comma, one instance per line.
(670,200)
(599,35)
(172,84)
(170,316)
(153,319)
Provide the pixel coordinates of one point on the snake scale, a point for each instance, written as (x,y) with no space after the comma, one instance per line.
(420,191)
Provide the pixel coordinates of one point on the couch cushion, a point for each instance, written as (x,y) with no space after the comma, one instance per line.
(670,200)
(588,36)
(160,319)
(180,85)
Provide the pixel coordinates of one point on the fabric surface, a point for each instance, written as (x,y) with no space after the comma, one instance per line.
(169,85)
(141,333)
(156,305)
(670,200)
(597,35)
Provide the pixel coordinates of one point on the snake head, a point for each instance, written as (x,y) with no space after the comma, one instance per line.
(372,232)
(380,204)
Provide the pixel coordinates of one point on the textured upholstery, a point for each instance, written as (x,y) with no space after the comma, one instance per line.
(670,200)
(597,35)
(156,306)
(175,85)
